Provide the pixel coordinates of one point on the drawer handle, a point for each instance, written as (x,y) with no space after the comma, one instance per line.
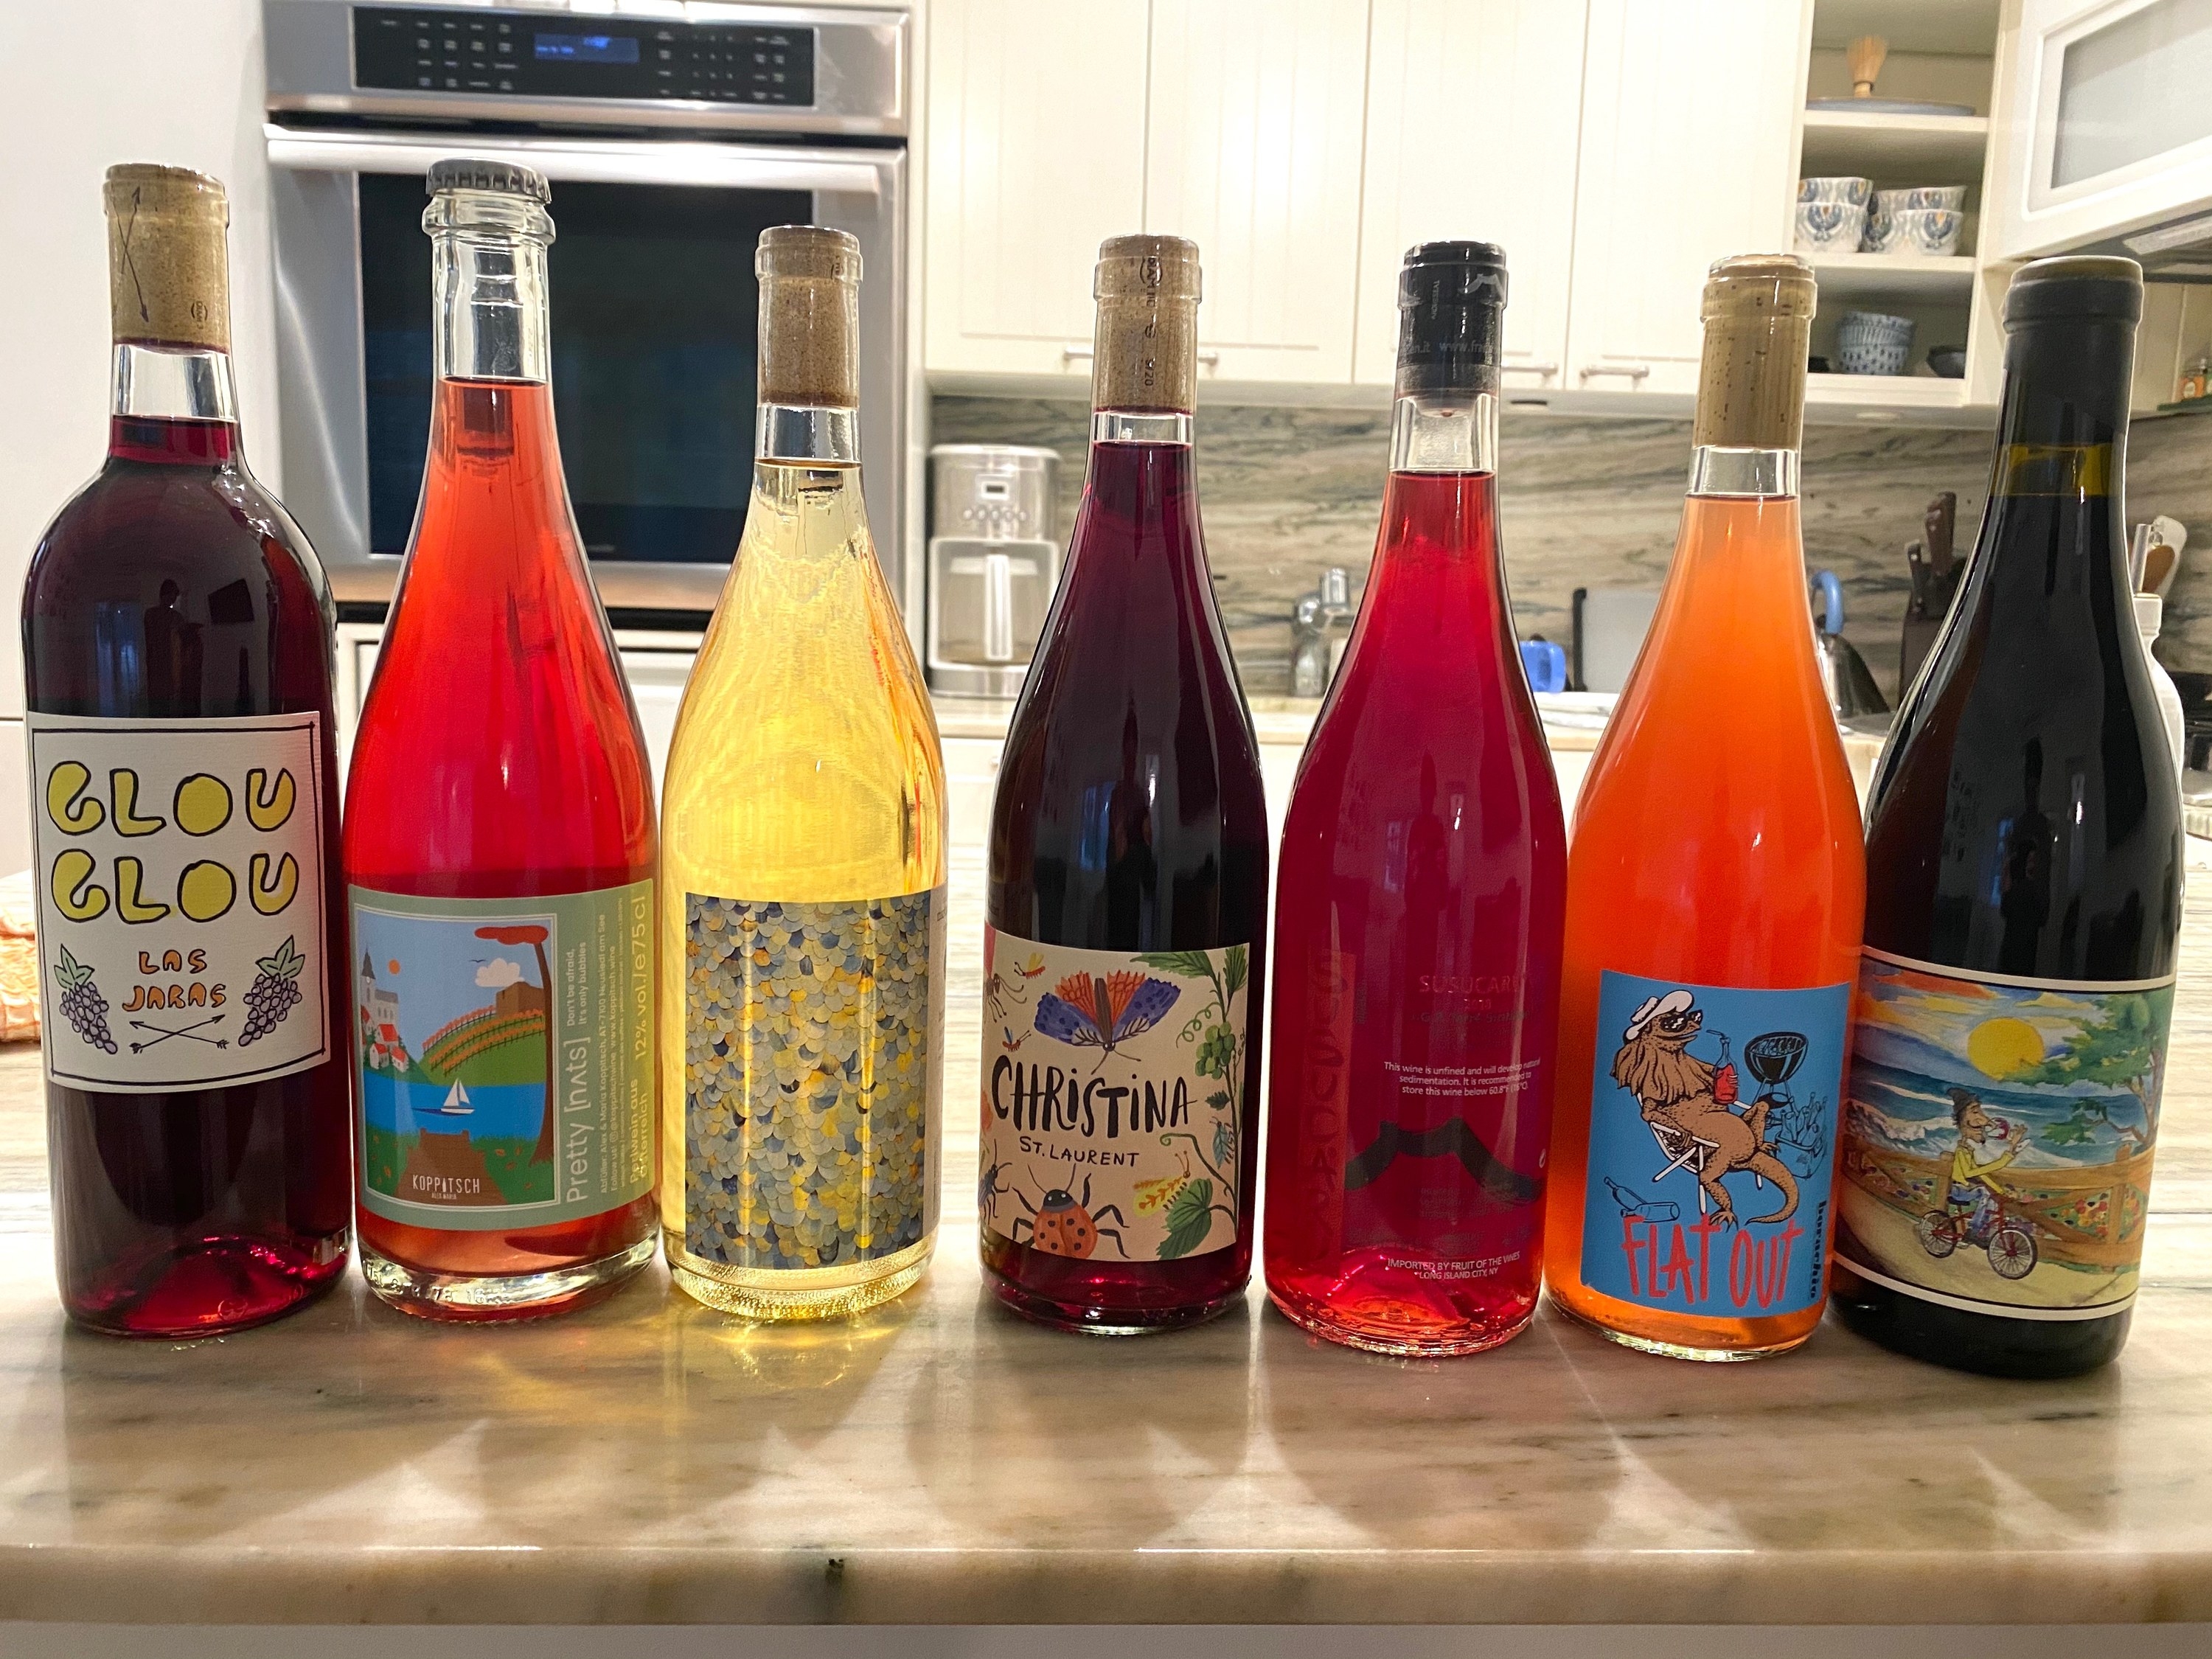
(1545,369)
(1211,359)
(1636,372)
(1069,353)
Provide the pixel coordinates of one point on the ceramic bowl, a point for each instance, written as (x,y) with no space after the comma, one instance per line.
(1829,227)
(1948,362)
(1880,232)
(1928,233)
(1870,342)
(1855,191)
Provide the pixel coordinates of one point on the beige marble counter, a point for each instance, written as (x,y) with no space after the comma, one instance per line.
(939,1462)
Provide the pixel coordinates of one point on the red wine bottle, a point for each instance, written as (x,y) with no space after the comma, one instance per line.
(499,837)
(2023,900)
(1421,896)
(177,655)
(1128,878)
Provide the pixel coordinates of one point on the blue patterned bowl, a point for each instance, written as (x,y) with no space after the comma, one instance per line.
(1829,227)
(1870,342)
(1854,191)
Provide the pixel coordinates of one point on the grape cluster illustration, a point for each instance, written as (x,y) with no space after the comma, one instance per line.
(82,1003)
(275,989)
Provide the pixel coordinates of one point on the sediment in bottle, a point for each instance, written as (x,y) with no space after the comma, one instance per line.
(1145,357)
(1758,314)
(168,266)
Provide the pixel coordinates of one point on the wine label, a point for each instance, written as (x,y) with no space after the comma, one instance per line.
(1112,1084)
(1998,1142)
(1712,1145)
(812,1043)
(181,899)
(506,1055)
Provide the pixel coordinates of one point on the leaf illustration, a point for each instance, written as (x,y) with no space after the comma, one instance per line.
(1190,1218)
(1191,965)
(1224,1141)
(72,973)
(1218,1099)
(286,964)
(1232,969)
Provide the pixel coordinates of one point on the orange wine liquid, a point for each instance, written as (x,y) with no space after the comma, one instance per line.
(1716,843)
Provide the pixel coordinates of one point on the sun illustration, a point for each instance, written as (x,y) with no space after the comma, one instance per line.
(2004,1047)
(393,965)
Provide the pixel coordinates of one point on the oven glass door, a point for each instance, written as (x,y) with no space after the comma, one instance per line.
(654,311)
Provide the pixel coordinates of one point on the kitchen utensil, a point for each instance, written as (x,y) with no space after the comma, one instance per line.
(1844,674)
(2155,555)
(1609,626)
(1830,226)
(993,564)
(1546,664)
(1934,571)
(1947,362)
(1872,342)
(1840,187)
(1864,57)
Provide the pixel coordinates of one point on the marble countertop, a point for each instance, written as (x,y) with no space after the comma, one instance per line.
(649,1461)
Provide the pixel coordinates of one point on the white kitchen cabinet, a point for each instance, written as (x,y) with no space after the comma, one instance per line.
(1253,149)
(1474,116)
(1035,155)
(1688,154)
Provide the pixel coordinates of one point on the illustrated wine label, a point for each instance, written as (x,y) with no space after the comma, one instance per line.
(181,899)
(1997,1142)
(506,1056)
(811,1037)
(1112,1084)
(1712,1145)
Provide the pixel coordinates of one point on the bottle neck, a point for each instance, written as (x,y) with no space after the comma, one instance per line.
(172,403)
(1122,425)
(1444,432)
(491,303)
(807,434)
(1743,474)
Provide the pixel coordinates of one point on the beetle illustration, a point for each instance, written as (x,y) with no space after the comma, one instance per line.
(1064,1225)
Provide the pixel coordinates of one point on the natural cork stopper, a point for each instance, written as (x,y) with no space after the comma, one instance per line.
(809,317)
(1758,314)
(168,269)
(1147,348)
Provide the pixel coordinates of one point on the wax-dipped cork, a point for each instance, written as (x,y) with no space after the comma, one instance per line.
(809,317)
(1758,315)
(168,268)
(1145,358)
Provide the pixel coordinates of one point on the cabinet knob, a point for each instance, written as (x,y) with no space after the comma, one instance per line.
(1636,372)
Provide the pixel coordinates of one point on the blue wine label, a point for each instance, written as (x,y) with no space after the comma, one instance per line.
(1712,1145)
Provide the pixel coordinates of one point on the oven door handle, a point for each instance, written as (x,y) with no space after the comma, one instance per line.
(726,166)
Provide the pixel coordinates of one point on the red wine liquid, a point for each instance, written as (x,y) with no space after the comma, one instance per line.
(175,587)
(498,756)
(1418,920)
(1130,816)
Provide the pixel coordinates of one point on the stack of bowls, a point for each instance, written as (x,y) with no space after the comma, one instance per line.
(1870,342)
(1832,214)
(1925,221)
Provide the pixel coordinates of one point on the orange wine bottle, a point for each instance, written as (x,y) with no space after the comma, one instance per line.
(1715,882)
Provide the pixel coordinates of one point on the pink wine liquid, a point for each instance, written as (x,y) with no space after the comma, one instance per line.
(498,756)
(173,586)
(1417,921)
(1130,816)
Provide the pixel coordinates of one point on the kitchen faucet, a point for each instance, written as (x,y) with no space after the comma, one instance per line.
(1320,621)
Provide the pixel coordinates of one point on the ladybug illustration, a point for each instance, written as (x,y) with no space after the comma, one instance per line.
(1064,1225)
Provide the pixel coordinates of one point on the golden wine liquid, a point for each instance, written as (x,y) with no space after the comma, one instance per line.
(805,773)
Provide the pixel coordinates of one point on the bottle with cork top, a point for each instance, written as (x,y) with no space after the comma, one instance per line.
(178,658)
(1128,882)
(499,835)
(1715,882)
(803,876)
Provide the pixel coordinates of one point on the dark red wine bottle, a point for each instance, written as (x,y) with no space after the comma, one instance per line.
(1421,896)
(1128,878)
(2024,877)
(178,656)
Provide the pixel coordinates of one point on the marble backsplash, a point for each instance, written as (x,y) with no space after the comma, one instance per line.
(1587,502)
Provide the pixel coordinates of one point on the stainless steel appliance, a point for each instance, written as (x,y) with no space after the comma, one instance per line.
(993,564)
(672,137)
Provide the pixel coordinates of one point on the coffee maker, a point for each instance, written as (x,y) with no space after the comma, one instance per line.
(993,564)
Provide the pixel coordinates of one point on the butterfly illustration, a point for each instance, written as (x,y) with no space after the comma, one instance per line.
(1093,1011)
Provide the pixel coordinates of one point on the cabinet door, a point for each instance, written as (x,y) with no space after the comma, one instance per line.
(1688,154)
(1036,143)
(1257,107)
(1474,115)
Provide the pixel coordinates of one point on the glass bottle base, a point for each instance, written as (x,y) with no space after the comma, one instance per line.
(1403,1333)
(484,1297)
(1677,1350)
(784,1295)
(210,1287)
(1107,1321)
(1987,1345)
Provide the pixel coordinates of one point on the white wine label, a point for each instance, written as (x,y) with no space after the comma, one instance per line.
(181,904)
(813,1043)
(506,1056)
(1113,1087)
(1997,1137)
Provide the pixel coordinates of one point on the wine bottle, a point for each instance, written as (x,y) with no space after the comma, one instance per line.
(1421,894)
(1716,883)
(2024,837)
(803,918)
(499,839)
(1127,883)
(177,667)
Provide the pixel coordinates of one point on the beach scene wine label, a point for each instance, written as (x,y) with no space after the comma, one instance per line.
(1113,1082)
(1998,1137)
(506,1056)
(1712,1145)
(181,899)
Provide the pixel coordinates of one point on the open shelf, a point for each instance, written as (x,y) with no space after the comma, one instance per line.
(1903,393)
(1943,149)
(1857,277)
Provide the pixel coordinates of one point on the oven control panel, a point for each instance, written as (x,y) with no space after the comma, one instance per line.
(557,55)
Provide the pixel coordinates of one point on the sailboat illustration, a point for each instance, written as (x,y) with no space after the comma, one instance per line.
(457,1103)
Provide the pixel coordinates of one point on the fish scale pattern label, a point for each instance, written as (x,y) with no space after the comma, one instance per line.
(1113,1082)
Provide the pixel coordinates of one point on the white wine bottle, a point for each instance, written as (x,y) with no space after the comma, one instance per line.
(802,891)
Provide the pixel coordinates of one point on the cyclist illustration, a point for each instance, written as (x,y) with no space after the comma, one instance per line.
(1973,1211)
